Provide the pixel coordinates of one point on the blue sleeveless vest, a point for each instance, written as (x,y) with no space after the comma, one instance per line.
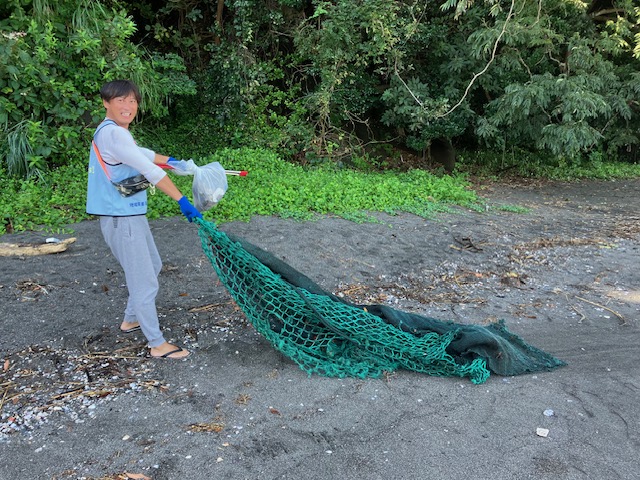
(102,197)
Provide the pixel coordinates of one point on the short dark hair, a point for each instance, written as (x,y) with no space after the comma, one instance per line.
(119,88)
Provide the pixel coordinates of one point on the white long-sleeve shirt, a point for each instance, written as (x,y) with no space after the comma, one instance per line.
(116,145)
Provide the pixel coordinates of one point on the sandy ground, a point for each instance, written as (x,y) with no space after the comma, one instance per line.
(81,400)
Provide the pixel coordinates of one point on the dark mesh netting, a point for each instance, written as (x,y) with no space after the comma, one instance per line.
(326,335)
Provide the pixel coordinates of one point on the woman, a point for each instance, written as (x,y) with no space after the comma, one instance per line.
(115,157)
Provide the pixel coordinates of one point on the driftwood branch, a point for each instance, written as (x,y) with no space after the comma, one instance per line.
(619,315)
(31,249)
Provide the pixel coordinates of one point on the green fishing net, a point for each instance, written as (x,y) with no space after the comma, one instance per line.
(329,336)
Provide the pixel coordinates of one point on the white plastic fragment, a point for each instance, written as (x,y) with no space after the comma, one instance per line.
(542,432)
(549,413)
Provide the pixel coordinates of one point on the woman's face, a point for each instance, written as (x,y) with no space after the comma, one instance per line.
(122,109)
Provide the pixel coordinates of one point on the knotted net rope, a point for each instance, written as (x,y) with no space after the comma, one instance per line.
(328,336)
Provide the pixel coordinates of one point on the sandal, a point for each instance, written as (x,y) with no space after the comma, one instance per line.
(172,352)
(130,330)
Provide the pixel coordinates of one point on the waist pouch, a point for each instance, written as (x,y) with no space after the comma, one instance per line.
(132,185)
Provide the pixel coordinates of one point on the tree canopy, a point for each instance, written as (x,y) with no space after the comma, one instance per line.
(318,79)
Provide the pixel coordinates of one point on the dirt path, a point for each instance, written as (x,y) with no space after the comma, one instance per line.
(80,401)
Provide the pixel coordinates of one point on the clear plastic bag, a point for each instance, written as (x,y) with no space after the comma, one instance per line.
(209,185)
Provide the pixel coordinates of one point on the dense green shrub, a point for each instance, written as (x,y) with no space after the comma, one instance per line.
(315,80)
(552,77)
(570,83)
(56,55)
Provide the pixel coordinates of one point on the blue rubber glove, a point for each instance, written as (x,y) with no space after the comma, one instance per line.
(188,210)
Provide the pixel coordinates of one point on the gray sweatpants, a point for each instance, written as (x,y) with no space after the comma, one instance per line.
(133,246)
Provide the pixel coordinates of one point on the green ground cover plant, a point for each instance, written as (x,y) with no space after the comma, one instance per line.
(521,163)
(277,187)
(273,187)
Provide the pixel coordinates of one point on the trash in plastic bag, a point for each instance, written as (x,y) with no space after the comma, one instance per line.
(209,185)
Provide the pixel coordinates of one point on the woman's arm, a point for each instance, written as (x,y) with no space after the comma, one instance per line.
(167,186)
